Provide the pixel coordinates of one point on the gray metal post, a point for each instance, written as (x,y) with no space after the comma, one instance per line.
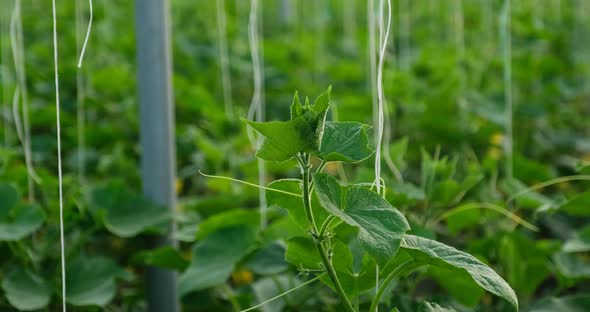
(156,108)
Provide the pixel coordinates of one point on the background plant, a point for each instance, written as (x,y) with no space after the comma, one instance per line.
(450,156)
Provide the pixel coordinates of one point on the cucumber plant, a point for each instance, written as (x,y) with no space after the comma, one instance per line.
(348,231)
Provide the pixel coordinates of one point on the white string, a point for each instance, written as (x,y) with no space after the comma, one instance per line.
(80,96)
(257,103)
(383,46)
(59,173)
(87,35)
(224,58)
(373,62)
(23,128)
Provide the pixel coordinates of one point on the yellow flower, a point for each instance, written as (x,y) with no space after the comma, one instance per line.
(495,153)
(242,277)
(497,139)
(178,185)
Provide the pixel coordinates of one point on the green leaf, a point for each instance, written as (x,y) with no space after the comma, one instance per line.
(126,214)
(345,141)
(232,218)
(8,199)
(580,242)
(572,265)
(283,139)
(432,252)
(458,284)
(302,253)
(322,102)
(294,204)
(164,257)
(296,107)
(303,133)
(26,291)
(215,257)
(433,307)
(380,225)
(21,221)
(91,281)
(576,303)
(578,206)
(269,260)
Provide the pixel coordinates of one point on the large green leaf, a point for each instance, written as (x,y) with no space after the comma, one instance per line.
(380,225)
(26,291)
(126,214)
(215,257)
(431,252)
(227,219)
(22,220)
(303,253)
(269,260)
(345,141)
(8,199)
(458,284)
(91,281)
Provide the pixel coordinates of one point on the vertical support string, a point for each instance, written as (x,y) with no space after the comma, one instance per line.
(257,108)
(87,33)
(224,58)
(59,171)
(81,91)
(383,39)
(505,39)
(372,62)
(381,100)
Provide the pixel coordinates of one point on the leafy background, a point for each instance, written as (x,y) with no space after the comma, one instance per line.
(446,114)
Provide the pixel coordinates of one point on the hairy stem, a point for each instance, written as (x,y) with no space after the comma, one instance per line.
(306,172)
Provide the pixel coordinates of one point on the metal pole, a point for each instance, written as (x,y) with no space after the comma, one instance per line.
(156,108)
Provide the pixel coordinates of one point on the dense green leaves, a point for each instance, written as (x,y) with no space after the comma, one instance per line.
(91,281)
(345,141)
(380,225)
(25,290)
(215,256)
(431,252)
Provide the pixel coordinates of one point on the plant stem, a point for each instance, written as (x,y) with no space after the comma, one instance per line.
(401,268)
(325,226)
(307,194)
(306,172)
